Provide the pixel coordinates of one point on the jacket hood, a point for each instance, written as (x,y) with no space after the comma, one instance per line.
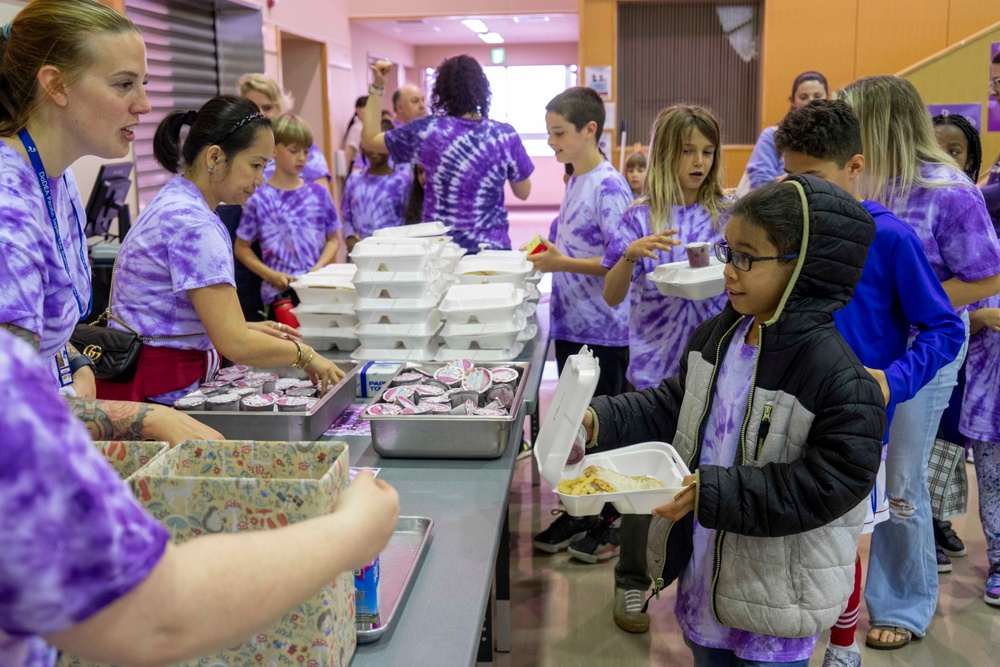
(837,232)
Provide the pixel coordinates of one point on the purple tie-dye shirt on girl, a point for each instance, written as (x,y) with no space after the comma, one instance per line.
(374,202)
(591,211)
(659,327)
(74,539)
(954,226)
(177,244)
(466,163)
(980,418)
(315,169)
(694,593)
(37,293)
(291,225)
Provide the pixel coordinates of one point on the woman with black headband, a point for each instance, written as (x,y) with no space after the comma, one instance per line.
(765,164)
(174,278)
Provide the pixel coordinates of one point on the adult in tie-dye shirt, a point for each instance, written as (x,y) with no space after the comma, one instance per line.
(467,158)
(292,227)
(174,275)
(374,198)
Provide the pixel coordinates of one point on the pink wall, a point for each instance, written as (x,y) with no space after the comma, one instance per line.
(401,8)
(560,53)
(365,41)
(546,185)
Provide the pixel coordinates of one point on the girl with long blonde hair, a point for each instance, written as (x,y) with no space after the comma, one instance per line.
(907,172)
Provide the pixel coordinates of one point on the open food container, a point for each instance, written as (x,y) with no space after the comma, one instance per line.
(395,254)
(325,315)
(470,304)
(554,449)
(319,288)
(412,231)
(679,279)
(447,436)
(484,270)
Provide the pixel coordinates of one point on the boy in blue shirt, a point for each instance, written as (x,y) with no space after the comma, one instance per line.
(898,292)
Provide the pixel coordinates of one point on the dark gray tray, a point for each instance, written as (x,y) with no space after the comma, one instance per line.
(286,426)
(398,564)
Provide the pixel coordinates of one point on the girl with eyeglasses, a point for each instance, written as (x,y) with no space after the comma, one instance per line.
(781,425)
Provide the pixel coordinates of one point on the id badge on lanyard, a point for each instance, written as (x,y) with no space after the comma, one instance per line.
(62,367)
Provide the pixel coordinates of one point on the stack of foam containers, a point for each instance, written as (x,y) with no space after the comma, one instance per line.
(487,321)
(401,279)
(326,310)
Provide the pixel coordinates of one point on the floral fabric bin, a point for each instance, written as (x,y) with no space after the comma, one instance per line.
(127,456)
(233,486)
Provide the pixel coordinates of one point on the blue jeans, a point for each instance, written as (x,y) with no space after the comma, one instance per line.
(902,589)
(719,657)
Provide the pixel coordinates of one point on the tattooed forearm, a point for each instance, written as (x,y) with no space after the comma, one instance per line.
(112,420)
(29,337)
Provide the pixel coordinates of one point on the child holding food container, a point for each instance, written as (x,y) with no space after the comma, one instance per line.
(682,203)
(780,423)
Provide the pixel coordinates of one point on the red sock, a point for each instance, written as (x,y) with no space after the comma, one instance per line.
(842,633)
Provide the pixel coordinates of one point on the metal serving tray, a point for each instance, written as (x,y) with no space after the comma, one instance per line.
(398,564)
(442,436)
(286,426)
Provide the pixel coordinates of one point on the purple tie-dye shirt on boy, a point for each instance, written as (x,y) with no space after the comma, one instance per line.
(374,202)
(466,163)
(315,169)
(694,593)
(591,211)
(74,538)
(291,225)
(177,244)
(954,226)
(659,327)
(37,293)
(980,418)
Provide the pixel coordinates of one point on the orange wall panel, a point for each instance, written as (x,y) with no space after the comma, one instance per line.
(893,34)
(802,35)
(967,17)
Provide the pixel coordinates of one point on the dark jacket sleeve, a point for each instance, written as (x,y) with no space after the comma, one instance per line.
(835,472)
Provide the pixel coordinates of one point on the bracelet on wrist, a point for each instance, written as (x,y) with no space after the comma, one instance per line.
(376,90)
(305,364)
(298,354)
(630,261)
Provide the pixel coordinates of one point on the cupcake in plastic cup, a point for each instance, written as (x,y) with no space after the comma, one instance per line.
(698,254)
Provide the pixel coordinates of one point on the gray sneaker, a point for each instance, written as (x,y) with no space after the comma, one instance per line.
(841,657)
(628,611)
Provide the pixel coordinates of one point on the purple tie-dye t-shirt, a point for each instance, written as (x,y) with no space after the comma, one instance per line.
(315,169)
(466,163)
(721,444)
(590,213)
(291,225)
(954,226)
(981,407)
(177,244)
(374,202)
(37,292)
(659,327)
(74,539)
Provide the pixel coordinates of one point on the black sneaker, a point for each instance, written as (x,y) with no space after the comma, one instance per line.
(944,563)
(601,542)
(947,540)
(562,531)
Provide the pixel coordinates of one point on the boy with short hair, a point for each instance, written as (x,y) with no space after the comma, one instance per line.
(898,291)
(294,220)
(596,196)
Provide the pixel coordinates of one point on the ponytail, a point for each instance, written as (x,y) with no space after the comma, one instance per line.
(167,141)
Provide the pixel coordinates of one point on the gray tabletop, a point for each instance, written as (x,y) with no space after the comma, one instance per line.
(441,622)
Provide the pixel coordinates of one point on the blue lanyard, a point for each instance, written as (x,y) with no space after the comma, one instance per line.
(43,182)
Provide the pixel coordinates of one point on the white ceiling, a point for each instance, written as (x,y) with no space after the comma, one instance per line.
(530,29)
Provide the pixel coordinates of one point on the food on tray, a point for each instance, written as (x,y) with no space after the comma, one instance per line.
(393,394)
(504,375)
(257,403)
(229,370)
(190,403)
(449,375)
(408,378)
(301,392)
(214,387)
(256,385)
(284,384)
(293,403)
(479,380)
(597,479)
(224,402)
(502,394)
(483,273)
(427,390)
(384,409)
(461,397)
(490,412)
(434,407)
(405,402)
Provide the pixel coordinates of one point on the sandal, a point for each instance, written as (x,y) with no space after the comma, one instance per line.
(880,645)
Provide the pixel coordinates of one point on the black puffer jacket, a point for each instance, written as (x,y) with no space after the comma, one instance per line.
(790,510)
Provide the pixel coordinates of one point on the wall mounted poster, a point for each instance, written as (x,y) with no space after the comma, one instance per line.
(599,78)
(993,124)
(972,112)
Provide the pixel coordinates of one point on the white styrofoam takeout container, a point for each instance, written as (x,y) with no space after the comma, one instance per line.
(513,270)
(329,338)
(679,279)
(325,316)
(390,336)
(397,284)
(398,311)
(315,288)
(482,303)
(399,354)
(445,353)
(497,340)
(555,443)
(395,254)
(422,229)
